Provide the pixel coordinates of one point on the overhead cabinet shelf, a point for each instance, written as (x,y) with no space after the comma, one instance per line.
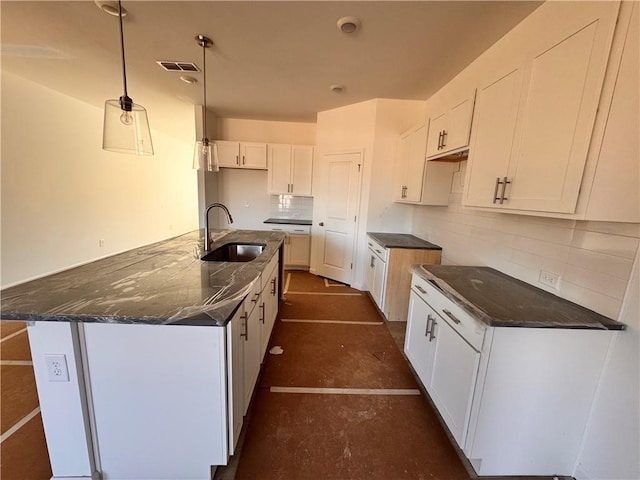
(249,155)
(416,180)
(290,169)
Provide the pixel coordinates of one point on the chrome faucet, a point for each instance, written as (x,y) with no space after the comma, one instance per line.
(207,240)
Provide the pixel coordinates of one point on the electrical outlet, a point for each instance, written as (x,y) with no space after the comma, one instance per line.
(549,279)
(101,242)
(57,370)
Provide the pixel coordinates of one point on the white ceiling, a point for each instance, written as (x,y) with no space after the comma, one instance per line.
(271,60)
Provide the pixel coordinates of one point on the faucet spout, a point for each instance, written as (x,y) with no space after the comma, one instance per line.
(207,240)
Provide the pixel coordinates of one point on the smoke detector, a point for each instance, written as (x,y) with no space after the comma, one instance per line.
(349,25)
(188,79)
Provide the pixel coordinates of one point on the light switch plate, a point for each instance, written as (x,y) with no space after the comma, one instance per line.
(549,279)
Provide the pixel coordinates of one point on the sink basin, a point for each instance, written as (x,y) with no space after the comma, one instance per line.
(235,252)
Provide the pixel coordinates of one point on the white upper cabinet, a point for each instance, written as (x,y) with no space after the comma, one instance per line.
(290,169)
(416,180)
(250,155)
(534,119)
(450,125)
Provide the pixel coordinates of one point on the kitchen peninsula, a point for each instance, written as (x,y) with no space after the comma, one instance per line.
(140,365)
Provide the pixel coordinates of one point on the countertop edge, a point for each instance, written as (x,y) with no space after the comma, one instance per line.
(450,293)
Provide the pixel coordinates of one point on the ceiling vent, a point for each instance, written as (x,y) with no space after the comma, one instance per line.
(171,66)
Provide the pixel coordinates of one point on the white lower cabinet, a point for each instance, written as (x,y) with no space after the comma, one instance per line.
(297,246)
(516,400)
(235,372)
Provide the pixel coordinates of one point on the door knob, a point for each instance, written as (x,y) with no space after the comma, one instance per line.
(321,224)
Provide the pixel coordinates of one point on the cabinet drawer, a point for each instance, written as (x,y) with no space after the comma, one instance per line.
(294,229)
(379,250)
(469,328)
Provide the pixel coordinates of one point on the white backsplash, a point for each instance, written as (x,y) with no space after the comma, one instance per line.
(290,206)
(593,259)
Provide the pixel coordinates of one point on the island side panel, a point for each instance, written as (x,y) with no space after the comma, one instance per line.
(159,397)
(63,404)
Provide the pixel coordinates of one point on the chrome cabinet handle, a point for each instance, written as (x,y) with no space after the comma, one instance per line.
(243,162)
(495,191)
(433,327)
(292,188)
(256,295)
(451,316)
(420,289)
(444,138)
(373,262)
(370,244)
(321,224)
(440,140)
(273,286)
(237,160)
(378,251)
(298,230)
(504,187)
(429,320)
(262,315)
(245,317)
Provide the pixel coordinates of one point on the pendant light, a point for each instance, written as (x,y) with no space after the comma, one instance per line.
(126,126)
(205,156)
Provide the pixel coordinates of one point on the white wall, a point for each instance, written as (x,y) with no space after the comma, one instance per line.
(61,193)
(612,446)
(373,126)
(296,133)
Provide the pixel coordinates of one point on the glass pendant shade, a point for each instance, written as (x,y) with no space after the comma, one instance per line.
(126,131)
(205,156)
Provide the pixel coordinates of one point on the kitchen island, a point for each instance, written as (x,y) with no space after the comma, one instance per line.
(140,362)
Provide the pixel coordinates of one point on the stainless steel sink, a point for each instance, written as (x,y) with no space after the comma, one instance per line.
(235,252)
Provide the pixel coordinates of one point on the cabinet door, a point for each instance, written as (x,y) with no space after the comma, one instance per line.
(228,153)
(279,175)
(402,162)
(415,167)
(253,155)
(301,170)
(456,134)
(557,111)
(235,366)
(371,268)
(417,343)
(437,124)
(251,354)
(455,368)
(492,139)
(378,282)
(298,249)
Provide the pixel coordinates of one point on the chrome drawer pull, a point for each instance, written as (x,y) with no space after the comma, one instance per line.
(246,326)
(451,316)
(262,315)
(378,251)
(429,320)
(420,289)
(256,295)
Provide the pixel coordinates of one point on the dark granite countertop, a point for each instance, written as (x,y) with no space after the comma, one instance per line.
(402,240)
(288,221)
(503,301)
(159,284)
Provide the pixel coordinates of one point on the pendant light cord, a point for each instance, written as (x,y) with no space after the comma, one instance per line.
(124,68)
(204,71)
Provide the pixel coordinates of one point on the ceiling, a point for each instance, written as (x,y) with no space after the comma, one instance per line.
(271,60)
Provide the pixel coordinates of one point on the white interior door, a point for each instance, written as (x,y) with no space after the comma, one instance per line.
(341,206)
